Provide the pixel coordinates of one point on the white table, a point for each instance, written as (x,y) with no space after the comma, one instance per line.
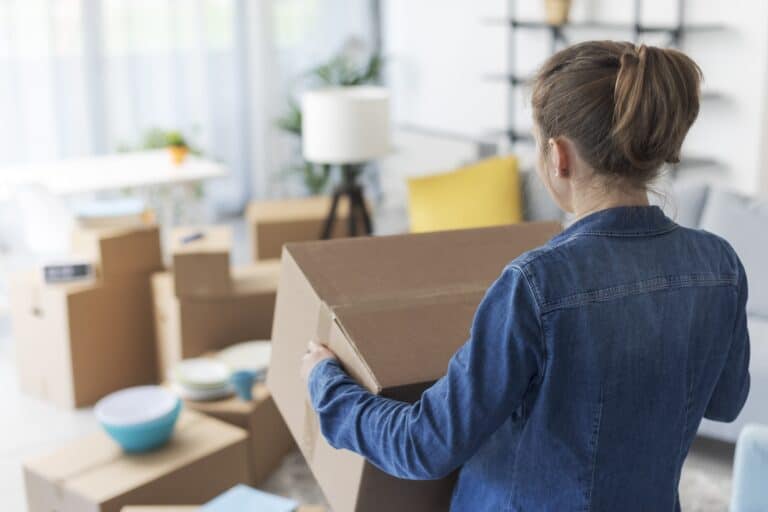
(146,169)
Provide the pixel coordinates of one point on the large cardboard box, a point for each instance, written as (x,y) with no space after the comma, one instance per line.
(193,325)
(394,309)
(204,458)
(201,265)
(268,437)
(76,342)
(277,222)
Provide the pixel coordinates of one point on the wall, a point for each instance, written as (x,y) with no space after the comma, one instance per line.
(441,53)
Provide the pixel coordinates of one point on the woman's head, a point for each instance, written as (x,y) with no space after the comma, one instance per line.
(612,112)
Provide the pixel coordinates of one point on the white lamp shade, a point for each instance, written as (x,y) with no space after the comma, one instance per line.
(345,125)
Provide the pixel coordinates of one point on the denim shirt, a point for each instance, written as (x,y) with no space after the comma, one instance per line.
(589,365)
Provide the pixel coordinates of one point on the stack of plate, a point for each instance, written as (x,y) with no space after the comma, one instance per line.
(250,355)
(202,379)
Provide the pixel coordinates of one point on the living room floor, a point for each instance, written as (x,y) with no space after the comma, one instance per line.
(30,427)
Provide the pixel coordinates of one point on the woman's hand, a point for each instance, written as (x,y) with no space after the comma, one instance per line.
(315,354)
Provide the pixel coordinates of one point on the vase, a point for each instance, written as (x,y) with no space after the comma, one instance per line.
(556,11)
(178,154)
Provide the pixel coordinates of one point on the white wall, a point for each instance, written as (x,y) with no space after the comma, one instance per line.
(442,50)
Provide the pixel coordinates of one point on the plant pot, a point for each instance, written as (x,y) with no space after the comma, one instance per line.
(178,154)
(556,11)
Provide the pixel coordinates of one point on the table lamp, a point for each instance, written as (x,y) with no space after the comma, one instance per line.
(348,127)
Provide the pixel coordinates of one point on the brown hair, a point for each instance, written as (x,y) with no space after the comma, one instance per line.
(626,108)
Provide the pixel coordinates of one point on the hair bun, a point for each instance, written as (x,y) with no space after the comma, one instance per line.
(627,107)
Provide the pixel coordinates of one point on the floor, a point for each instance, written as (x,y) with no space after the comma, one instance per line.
(29,427)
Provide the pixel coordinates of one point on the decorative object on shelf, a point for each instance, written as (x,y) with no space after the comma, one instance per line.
(347,68)
(348,127)
(139,419)
(557,11)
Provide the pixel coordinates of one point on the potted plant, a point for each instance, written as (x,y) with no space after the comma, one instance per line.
(177,147)
(556,11)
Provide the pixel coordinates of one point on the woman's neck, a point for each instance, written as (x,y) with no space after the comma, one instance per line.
(587,204)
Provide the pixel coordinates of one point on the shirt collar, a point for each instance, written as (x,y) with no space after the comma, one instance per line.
(621,221)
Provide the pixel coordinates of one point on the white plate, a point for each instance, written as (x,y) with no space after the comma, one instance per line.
(249,355)
(202,373)
(202,395)
(135,405)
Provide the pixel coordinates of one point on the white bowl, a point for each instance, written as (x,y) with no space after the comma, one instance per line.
(133,406)
(249,355)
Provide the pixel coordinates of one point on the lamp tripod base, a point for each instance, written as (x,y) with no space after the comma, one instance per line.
(358,213)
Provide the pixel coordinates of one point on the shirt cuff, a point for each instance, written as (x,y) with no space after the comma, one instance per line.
(320,376)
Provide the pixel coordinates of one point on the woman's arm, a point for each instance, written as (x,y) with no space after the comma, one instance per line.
(732,387)
(486,381)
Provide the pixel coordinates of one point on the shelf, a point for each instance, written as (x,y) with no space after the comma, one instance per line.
(516,81)
(592,25)
(694,162)
(512,79)
(514,135)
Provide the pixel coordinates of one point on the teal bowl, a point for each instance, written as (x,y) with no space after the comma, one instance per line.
(139,419)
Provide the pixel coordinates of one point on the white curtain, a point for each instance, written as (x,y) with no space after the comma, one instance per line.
(81,77)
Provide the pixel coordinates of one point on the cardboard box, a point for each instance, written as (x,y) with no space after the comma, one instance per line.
(78,342)
(120,252)
(191,326)
(277,222)
(394,309)
(201,266)
(204,458)
(269,440)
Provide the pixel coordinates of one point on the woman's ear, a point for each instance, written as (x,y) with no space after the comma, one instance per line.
(560,159)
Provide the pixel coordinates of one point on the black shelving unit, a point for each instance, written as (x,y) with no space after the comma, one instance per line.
(558,35)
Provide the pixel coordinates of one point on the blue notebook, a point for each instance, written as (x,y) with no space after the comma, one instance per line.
(242,498)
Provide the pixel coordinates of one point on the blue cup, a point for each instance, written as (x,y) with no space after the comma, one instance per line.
(243,381)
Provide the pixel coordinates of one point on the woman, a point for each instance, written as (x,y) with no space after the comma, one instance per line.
(591,360)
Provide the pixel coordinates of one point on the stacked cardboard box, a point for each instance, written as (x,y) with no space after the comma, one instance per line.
(204,458)
(394,310)
(205,305)
(77,342)
(277,222)
(269,440)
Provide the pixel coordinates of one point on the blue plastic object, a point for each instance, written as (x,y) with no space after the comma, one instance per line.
(147,436)
(242,381)
(242,498)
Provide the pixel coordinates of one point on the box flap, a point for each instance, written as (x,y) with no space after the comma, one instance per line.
(428,329)
(357,270)
(121,251)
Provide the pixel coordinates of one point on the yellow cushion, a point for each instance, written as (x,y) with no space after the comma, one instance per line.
(483,194)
